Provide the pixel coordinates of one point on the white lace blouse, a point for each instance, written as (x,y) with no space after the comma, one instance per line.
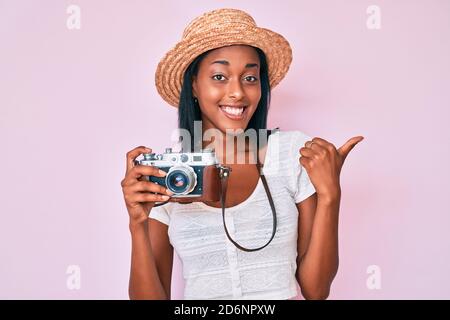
(213,268)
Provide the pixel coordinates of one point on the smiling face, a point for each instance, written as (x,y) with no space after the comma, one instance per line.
(228,87)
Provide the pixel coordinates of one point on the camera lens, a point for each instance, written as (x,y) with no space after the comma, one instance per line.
(181,180)
(178,181)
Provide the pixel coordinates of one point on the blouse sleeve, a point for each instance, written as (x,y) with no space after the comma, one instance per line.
(302,185)
(161,214)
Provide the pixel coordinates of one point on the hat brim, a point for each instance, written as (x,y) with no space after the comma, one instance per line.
(170,71)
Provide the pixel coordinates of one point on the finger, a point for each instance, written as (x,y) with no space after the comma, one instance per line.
(308,143)
(305,162)
(133,154)
(349,145)
(313,145)
(148,197)
(320,141)
(325,144)
(139,172)
(128,181)
(307,152)
(146,186)
(142,170)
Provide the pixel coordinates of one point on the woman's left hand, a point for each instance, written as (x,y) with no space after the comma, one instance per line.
(323,163)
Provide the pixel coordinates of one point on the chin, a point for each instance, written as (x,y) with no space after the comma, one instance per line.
(234,126)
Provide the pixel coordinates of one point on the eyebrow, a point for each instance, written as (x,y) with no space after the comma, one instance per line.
(226,63)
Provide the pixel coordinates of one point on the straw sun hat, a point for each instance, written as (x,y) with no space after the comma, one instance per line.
(215,29)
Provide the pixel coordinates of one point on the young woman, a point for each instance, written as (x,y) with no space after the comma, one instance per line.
(221,73)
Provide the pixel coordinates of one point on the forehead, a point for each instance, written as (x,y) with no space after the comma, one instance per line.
(236,54)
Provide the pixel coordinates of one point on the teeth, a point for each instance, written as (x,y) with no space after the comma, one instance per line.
(233,111)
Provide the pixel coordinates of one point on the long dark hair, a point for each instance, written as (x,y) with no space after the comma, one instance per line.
(189,110)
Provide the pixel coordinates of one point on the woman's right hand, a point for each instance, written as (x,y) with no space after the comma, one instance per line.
(137,193)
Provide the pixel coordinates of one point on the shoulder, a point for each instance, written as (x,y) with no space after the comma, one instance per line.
(162,213)
(288,142)
(284,151)
(293,137)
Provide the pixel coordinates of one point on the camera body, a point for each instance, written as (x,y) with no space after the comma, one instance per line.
(190,176)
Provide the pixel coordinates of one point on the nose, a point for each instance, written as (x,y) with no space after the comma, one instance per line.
(235,89)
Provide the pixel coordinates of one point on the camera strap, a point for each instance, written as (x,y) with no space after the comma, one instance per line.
(224,172)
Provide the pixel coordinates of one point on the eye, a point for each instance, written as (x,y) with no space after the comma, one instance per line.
(218,77)
(251,78)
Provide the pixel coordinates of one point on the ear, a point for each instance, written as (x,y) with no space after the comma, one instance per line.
(194,86)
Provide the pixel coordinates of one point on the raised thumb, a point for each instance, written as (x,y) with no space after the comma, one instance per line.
(349,145)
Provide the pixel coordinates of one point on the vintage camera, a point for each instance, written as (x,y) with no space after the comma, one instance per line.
(190,176)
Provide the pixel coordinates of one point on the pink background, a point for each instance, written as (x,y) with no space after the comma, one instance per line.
(73,102)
